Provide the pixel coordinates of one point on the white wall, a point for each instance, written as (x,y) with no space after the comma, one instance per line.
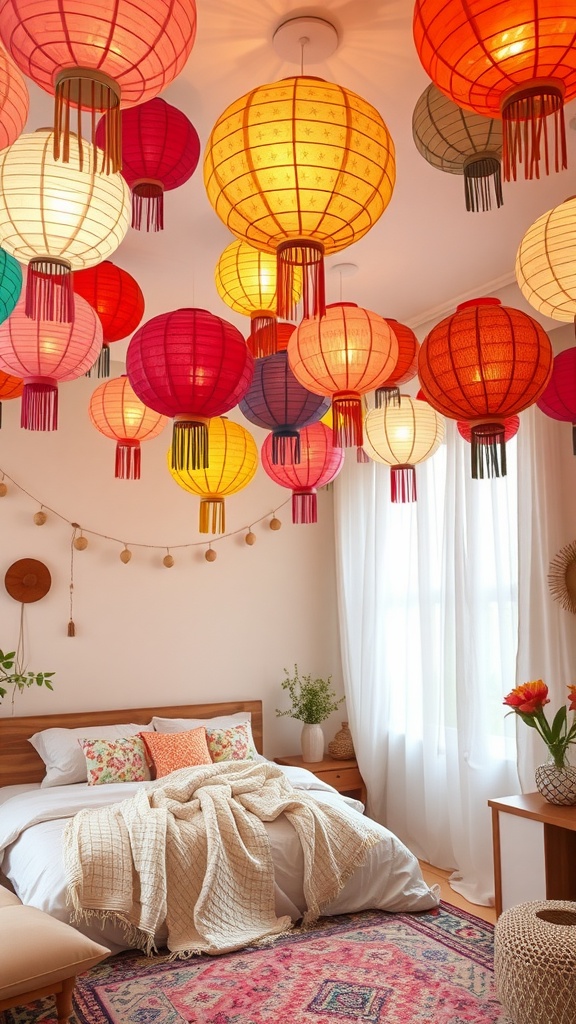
(146,634)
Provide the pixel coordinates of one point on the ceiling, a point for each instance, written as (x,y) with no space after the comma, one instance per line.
(425,254)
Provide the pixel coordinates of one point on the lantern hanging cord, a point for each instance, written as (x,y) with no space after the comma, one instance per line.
(304,40)
(132,544)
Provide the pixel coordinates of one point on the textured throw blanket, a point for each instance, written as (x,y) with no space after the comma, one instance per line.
(192,851)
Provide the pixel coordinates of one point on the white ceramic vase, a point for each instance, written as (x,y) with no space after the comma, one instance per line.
(312,742)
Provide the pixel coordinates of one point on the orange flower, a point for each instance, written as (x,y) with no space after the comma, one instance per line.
(529,697)
(572,697)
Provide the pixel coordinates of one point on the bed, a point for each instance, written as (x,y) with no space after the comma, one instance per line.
(33,819)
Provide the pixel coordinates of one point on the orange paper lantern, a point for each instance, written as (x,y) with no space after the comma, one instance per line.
(406,368)
(10,387)
(14,101)
(117,412)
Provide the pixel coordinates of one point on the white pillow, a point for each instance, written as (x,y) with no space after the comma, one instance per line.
(63,755)
(183,724)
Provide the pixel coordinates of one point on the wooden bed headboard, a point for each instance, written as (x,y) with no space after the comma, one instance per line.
(19,762)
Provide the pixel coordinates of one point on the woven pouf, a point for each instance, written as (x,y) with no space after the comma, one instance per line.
(535,962)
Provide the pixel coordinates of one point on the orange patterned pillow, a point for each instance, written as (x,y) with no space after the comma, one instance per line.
(172,750)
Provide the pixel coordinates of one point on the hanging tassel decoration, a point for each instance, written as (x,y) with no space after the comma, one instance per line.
(286,447)
(305,507)
(128,457)
(480,172)
(71,626)
(388,395)
(101,367)
(148,198)
(525,129)
(402,483)
(212,517)
(39,408)
(347,420)
(190,443)
(96,92)
(361,456)
(488,450)
(263,334)
(49,291)
(309,256)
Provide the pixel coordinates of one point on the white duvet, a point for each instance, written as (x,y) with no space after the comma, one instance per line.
(32,821)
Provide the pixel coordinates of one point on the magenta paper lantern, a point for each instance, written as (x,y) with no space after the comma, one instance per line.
(190,365)
(320,462)
(558,400)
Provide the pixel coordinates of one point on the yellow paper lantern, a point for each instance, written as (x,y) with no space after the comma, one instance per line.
(401,436)
(55,218)
(546,262)
(233,463)
(301,168)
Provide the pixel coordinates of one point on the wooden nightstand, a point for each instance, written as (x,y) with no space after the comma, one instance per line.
(343,775)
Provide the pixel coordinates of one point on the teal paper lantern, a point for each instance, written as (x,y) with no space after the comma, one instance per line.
(10,284)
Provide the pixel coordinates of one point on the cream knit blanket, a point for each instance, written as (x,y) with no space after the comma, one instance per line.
(192,851)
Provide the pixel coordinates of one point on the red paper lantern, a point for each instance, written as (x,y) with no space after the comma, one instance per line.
(482,364)
(406,368)
(558,400)
(320,462)
(118,300)
(160,151)
(257,340)
(117,412)
(14,101)
(516,61)
(46,352)
(191,365)
(101,57)
(10,387)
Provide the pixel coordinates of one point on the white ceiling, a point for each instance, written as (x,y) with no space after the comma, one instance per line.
(424,255)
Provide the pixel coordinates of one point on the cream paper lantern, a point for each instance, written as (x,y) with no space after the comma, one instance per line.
(401,436)
(546,262)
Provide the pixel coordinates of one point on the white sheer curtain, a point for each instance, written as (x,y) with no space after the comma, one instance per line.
(427,596)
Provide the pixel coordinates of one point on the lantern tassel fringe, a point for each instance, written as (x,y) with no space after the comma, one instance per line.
(148,198)
(263,335)
(386,396)
(488,451)
(305,507)
(128,461)
(347,422)
(189,445)
(480,173)
(96,92)
(286,447)
(39,409)
(49,291)
(573,435)
(362,457)
(309,257)
(101,367)
(525,130)
(212,516)
(403,483)
(71,628)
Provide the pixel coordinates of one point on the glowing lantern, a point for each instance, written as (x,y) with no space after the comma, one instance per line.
(482,364)
(401,436)
(511,427)
(406,368)
(119,414)
(10,387)
(118,300)
(57,219)
(117,54)
(546,262)
(45,352)
(257,340)
(344,354)
(459,141)
(192,366)
(276,401)
(14,101)
(10,284)
(558,400)
(233,464)
(516,61)
(160,152)
(301,168)
(320,462)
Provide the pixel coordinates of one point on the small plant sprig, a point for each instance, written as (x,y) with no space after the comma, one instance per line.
(312,700)
(17,678)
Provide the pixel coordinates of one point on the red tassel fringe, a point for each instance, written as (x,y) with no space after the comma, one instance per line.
(524,114)
(128,460)
(212,517)
(148,197)
(347,420)
(96,92)
(49,291)
(361,456)
(309,257)
(403,483)
(304,507)
(39,409)
(263,335)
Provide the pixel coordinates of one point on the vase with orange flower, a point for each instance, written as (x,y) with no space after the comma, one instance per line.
(556,779)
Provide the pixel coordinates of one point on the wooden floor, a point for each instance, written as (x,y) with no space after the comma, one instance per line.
(436,876)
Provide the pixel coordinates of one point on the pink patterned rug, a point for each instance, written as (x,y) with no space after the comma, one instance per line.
(367,968)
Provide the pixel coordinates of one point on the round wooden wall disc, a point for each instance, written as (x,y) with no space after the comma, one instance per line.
(28,580)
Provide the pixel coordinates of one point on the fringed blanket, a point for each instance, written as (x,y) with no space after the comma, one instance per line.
(192,851)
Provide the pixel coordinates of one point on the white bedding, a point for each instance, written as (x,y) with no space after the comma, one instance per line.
(32,821)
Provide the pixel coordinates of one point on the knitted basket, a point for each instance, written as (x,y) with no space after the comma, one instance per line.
(342,747)
(535,962)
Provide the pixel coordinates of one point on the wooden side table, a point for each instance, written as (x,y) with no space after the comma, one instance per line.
(342,775)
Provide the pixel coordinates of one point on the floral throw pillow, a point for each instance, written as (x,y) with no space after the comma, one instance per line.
(172,750)
(121,760)
(233,744)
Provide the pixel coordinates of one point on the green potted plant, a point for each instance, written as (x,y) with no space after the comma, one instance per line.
(312,701)
(12,674)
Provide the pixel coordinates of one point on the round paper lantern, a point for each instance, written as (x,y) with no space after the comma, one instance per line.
(276,401)
(516,61)
(482,364)
(56,218)
(301,168)
(401,436)
(320,462)
(460,142)
(119,414)
(246,281)
(160,151)
(406,368)
(258,340)
(14,101)
(546,262)
(44,353)
(10,387)
(190,365)
(344,354)
(558,400)
(117,298)
(117,54)
(10,284)
(233,464)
